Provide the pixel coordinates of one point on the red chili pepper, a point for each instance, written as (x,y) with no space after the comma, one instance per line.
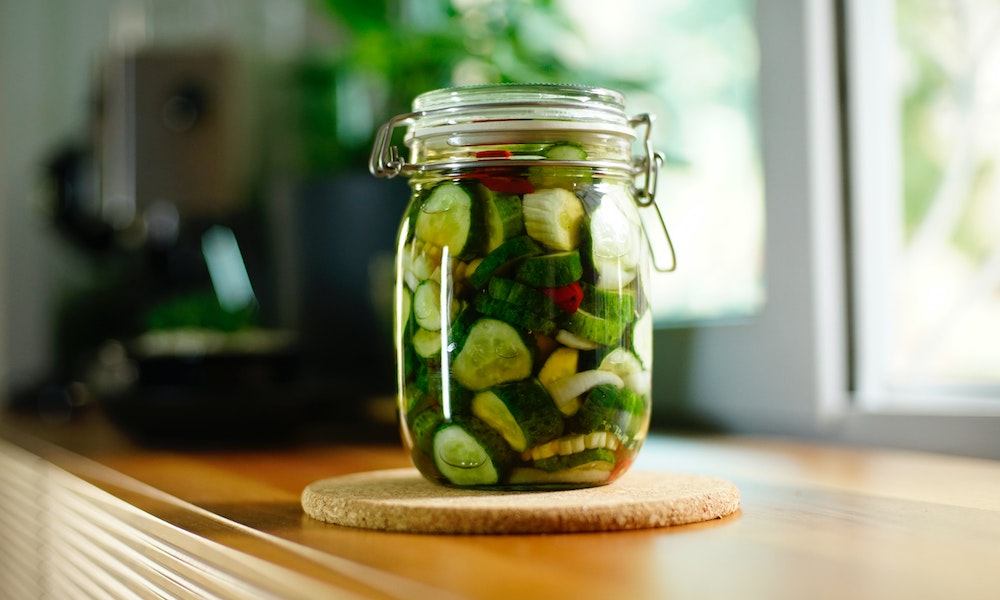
(493,154)
(507,185)
(567,297)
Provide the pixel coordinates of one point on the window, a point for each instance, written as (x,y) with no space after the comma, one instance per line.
(698,65)
(788,370)
(924,78)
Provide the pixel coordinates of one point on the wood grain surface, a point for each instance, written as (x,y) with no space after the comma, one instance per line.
(815,521)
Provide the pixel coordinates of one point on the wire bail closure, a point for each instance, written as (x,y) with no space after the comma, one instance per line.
(386,162)
(645,196)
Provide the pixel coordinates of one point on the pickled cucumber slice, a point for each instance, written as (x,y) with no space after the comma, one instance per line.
(565,151)
(492,353)
(642,338)
(404,308)
(525,296)
(612,408)
(514,314)
(621,362)
(507,253)
(426,343)
(551,177)
(529,476)
(614,238)
(461,325)
(470,453)
(431,381)
(554,217)
(427,305)
(522,412)
(603,331)
(590,459)
(604,302)
(423,425)
(550,270)
(504,218)
(452,218)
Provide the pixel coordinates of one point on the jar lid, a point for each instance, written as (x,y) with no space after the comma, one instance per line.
(519,107)
(506,113)
(511,93)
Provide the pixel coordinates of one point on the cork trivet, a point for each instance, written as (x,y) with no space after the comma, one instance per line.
(402,500)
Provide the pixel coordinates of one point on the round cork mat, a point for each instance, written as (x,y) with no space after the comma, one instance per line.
(402,500)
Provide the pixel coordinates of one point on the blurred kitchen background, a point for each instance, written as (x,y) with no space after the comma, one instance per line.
(189,236)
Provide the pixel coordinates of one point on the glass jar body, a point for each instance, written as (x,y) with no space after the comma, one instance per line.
(523,331)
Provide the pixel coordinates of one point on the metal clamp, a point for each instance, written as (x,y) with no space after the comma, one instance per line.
(649,165)
(663,227)
(385,160)
(645,195)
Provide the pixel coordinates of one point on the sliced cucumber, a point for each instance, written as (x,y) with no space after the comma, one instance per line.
(642,338)
(596,459)
(426,342)
(525,296)
(550,270)
(528,476)
(554,217)
(470,453)
(504,218)
(522,412)
(452,218)
(507,253)
(612,408)
(565,151)
(431,381)
(614,238)
(621,362)
(514,314)
(415,399)
(423,425)
(551,177)
(603,331)
(566,392)
(427,305)
(461,325)
(404,308)
(620,303)
(492,353)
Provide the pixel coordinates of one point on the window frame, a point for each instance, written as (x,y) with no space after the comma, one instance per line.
(790,370)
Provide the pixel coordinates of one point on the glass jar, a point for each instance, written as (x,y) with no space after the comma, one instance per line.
(523,329)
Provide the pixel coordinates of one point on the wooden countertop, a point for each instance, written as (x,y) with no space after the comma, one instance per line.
(815,522)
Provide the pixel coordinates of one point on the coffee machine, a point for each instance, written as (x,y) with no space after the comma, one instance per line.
(233,301)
